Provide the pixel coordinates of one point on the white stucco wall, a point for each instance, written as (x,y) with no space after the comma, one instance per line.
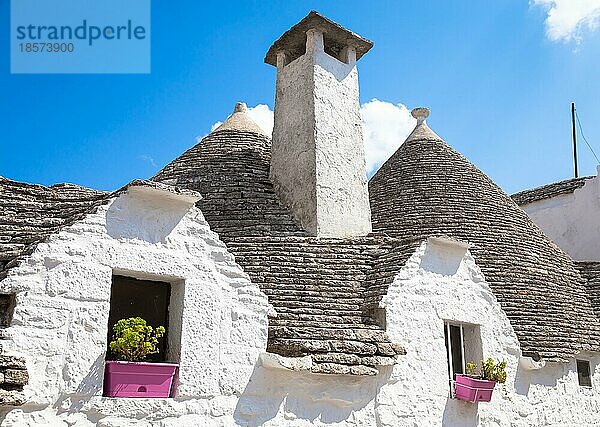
(60,326)
(293,143)
(572,220)
(440,283)
(343,207)
(61,316)
(318,161)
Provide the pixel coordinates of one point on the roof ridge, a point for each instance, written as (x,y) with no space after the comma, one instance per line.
(51,187)
(546,191)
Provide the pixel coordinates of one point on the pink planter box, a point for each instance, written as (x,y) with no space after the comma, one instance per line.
(138,379)
(473,390)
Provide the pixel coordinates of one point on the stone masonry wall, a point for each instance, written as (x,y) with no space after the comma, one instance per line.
(13,376)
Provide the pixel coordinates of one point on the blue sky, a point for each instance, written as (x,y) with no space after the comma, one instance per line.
(497,77)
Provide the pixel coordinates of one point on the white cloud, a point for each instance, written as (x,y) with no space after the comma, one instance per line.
(148,158)
(262,116)
(566,19)
(385,127)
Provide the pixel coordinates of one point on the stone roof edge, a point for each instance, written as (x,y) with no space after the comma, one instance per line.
(53,186)
(567,186)
(106,197)
(171,191)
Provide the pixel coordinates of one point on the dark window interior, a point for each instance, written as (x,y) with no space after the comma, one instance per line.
(332,49)
(7,307)
(456,343)
(584,373)
(297,52)
(147,299)
(455,348)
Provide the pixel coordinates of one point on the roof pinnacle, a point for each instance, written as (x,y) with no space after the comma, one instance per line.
(240,120)
(240,107)
(420,113)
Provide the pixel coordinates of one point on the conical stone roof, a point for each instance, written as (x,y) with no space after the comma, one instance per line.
(317,286)
(428,189)
(230,168)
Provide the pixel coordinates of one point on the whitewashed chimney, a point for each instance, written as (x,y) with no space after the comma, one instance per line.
(318,160)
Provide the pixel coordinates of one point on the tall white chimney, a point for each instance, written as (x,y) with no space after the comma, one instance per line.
(318,160)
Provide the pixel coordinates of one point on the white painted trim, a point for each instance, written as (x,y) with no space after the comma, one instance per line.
(462,349)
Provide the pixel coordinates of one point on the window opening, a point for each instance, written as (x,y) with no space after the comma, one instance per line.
(584,373)
(147,299)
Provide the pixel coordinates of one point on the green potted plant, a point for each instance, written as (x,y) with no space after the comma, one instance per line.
(129,376)
(478,384)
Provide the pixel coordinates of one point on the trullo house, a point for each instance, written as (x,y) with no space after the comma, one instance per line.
(293,290)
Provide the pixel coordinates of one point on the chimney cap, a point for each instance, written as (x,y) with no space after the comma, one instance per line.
(420,113)
(293,40)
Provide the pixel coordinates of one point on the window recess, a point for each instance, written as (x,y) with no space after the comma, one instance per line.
(463,345)
(455,349)
(584,373)
(7,308)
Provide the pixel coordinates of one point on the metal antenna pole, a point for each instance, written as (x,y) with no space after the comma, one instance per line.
(574,139)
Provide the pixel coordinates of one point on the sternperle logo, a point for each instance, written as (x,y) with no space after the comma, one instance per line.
(80,36)
(84,31)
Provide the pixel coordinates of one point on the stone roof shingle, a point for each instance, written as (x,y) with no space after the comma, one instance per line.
(590,270)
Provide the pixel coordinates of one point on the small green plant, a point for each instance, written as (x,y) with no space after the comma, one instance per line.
(471,369)
(134,340)
(490,370)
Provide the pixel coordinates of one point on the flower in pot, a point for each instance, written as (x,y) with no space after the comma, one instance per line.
(129,376)
(478,384)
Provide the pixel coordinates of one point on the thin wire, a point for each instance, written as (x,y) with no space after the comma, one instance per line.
(583,136)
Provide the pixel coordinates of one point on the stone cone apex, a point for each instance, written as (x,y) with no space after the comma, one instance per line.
(421,130)
(240,120)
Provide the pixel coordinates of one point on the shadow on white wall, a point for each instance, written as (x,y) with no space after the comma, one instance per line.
(90,385)
(306,396)
(144,216)
(443,256)
(458,413)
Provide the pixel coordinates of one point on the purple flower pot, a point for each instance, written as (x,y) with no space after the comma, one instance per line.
(138,379)
(473,390)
